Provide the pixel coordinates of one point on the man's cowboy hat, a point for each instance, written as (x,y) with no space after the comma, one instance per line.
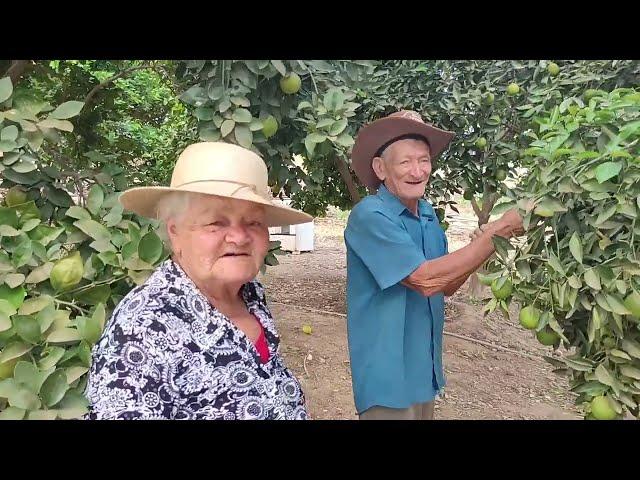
(372,139)
(220,169)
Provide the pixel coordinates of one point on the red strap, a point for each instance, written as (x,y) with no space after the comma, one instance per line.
(261,346)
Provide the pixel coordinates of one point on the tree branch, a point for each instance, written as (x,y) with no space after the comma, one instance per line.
(17,69)
(112,79)
(345,173)
(476,208)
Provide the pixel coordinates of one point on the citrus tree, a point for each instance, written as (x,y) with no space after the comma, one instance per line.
(68,254)
(301,116)
(576,274)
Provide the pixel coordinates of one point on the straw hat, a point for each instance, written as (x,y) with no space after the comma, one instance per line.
(220,169)
(375,137)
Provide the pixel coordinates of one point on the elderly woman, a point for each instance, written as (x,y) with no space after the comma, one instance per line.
(197,341)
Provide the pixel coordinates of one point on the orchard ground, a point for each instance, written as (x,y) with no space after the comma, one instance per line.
(483,381)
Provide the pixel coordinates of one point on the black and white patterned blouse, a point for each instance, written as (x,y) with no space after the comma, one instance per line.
(166,353)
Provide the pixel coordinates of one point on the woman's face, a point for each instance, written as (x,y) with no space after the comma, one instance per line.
(220,241)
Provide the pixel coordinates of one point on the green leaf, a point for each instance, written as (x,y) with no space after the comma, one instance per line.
(15,296)
(63,125)
(42,415)
(345,140)
(22,397)
(240,101)
(224,105)
(73,405)
(94,295)
(46,317)
(333,100)
(592,279)
(58,197)
(54,388)
(241,115)
(310,146)
(67,110)
(8,231)
(501,208)
(325,122)
(89,329)
(7,308)
(104,246)
(74,373)
(575,246)
(338,127)
(629,371)
(150,248)
(616,304)
(78,213)
(27,328)
(575,282)
(8,216)
(40,273)
(64,335)
(619,354)
(243,135)
(316,137)
(23,253)
(45,234)
(6,89)
(94,229)
(14,350)
(604,376)
(227,127)
(631,347)
(35,304)
(12,413)
(9,133)
(279,66)
(204,113)
(607,170)
(5,322)
(24,166)
(53,356)
(555,263)
(14,279)
(30,224)
(29,375)
(100,315)
(95,199)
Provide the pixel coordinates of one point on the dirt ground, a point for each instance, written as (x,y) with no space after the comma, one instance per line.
(483,382)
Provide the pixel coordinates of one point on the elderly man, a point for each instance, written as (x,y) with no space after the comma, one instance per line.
(399,269)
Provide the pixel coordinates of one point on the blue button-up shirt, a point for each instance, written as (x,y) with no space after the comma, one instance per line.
(395,334)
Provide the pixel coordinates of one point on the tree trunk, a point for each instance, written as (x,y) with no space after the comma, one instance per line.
(345,173)
(17,69)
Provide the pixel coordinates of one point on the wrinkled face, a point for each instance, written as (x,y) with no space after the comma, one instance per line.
(404,168)
(220,241)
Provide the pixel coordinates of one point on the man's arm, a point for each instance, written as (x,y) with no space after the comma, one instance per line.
(447,273)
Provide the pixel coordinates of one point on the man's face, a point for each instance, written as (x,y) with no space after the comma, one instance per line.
(405,167)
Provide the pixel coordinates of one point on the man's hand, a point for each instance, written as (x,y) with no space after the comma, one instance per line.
(512,223)
(509,225)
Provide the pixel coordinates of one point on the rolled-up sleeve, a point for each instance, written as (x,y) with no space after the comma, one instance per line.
(386,249)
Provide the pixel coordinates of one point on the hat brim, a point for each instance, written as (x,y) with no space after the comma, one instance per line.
(376,134)
(144,201)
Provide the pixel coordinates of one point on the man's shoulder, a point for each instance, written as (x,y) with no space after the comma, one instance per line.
(368,207)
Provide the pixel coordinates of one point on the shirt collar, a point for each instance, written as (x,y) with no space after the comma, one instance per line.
(397,207)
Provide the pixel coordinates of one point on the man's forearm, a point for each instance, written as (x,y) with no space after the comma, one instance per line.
(442,274)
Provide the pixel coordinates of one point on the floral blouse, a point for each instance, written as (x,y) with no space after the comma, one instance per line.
(167,353)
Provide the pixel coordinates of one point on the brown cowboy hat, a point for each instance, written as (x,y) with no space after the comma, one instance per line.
(222,170)
(376,136)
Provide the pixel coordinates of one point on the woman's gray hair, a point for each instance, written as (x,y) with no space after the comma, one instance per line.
(172,206)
